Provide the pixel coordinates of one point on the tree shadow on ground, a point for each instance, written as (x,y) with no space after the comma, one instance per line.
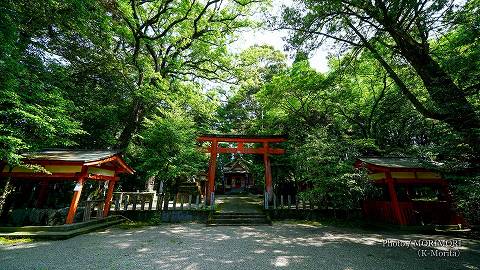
(194,246)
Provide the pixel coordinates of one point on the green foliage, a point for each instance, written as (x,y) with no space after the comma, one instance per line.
(466,192)
(298,93)
(137,75)
(334,118)
(305,104)
(325,161)
(166,147)
(86,74)
(254,67)
(398,35)
(344,191)
(34,111)
(166,41)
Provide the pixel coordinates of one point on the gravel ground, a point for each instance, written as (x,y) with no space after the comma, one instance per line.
(194,246)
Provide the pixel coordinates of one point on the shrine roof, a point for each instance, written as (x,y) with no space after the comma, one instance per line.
(60,164)
(63,157)
(399,162)
(70,155)
(236,166)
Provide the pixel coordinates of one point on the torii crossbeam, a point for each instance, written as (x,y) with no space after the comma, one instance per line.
(241,140)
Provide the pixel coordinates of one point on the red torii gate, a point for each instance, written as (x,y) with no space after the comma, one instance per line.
(241,140)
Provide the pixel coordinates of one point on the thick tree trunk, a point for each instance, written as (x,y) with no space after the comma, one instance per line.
(449,99)
(132,124)
(5,199)
(451,105)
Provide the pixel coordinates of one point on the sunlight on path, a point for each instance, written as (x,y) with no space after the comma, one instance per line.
(194,246)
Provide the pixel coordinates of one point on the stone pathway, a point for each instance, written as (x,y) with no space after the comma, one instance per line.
(194,246)
(239,203)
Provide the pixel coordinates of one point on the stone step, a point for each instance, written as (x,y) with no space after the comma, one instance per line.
(239,213)
(63,234)
(237,224)
(243,220)
(238,219)
(238,216)
(57,228)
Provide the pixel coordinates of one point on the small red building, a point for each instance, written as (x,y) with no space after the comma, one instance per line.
(62,166)
(237,176)
(406,192)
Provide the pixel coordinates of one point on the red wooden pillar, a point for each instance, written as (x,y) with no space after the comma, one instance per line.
(393,199)
(108,199)
(211,169)
(76,195)
(268,171)
(42,194)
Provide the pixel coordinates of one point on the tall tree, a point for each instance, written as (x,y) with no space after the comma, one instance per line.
(34,111)
(394,29)
(254,67)
(168,39)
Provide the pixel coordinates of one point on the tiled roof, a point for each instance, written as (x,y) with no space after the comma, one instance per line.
(70,155)
(399,162)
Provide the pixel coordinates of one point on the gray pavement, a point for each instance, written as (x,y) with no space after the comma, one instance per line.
(194,246)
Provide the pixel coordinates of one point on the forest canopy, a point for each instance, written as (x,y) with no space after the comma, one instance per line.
(147,77)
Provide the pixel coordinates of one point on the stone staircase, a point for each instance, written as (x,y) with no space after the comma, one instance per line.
(238,219)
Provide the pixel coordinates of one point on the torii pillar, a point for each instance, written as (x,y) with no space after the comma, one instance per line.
(268,171)
(212,167)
